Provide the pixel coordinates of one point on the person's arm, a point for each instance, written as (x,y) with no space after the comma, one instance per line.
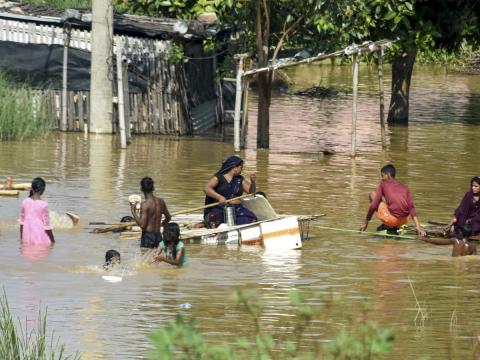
(21,221)
(46,224)
(373,206)
(168,217)
(209,189)
(250,186)
(438,241)
(158,254)
(413,214)
(175,261)
(420,231)
(50,235)
(142,220)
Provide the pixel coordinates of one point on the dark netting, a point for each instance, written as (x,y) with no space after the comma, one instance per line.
(41,66)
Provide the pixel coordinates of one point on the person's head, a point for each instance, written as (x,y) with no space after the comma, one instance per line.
(126,219)
(466,230)
(475,185)
(388,172)
(146,185)
(112,257)
(232,163)
(38,186)
(171,233)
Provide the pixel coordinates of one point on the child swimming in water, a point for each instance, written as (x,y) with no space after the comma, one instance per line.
(112,258)
(461,247)
(171,246)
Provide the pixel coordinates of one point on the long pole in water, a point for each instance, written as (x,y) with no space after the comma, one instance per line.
(365,232)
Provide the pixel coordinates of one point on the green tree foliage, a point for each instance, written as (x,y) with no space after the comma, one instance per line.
(362,340)
(415,25)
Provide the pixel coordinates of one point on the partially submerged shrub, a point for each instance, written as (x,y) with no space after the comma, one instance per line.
(17,343)
(22,112)
(182,339)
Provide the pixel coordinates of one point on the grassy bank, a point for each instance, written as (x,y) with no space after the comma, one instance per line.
(22,113)
(63,4)
(17,342)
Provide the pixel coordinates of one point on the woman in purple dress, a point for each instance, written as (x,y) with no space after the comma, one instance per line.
(468,212)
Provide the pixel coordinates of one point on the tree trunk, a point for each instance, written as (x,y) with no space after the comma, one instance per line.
(262,30)
(263,122)
(402,68)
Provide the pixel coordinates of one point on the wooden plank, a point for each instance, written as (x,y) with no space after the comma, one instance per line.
(71,111)
(86,128)
(81,114)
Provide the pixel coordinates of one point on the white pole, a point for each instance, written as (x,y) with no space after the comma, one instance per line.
(354,105)
(120,94)
(238,105)
(66,44)
(382,97)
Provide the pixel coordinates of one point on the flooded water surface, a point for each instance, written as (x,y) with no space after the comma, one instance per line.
(382,279)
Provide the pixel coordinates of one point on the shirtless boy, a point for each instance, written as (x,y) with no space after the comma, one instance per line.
(152,210)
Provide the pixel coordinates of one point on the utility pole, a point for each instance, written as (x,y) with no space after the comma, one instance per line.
(101,92)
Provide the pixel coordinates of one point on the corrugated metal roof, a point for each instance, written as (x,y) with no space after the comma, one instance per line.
(204,116)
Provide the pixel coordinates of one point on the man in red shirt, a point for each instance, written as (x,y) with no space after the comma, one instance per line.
(396,206)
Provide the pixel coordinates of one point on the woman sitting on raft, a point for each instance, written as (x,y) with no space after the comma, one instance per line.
(226,184)
(468,212)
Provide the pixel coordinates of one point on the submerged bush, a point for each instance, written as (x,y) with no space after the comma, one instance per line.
(17,343)
(361,340)
(22,113)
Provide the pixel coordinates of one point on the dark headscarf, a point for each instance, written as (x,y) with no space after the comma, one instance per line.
(229,163)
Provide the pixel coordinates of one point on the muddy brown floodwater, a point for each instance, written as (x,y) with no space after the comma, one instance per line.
(436,156)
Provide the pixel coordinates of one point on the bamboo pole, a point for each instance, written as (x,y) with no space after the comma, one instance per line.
(354,105)
(132,223)
(364,47)
(120,94)
(238,102)
(381,96)
(246,86)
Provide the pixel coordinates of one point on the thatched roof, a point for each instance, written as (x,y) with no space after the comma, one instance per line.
(126,24)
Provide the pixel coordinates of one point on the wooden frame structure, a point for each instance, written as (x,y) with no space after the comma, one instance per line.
(353,50)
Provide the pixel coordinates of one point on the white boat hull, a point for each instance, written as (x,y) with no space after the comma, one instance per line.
(277,234)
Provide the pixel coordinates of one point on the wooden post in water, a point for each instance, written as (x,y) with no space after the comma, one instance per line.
(66,43)
(238,102)
(120,94)
(246,85)
(354,105)
(381,96)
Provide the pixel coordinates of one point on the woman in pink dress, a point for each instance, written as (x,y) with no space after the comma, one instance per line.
(35,228)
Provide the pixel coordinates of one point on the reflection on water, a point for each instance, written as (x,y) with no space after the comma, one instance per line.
(93,177)
(35,252)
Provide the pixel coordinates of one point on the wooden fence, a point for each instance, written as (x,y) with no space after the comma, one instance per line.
(163,109)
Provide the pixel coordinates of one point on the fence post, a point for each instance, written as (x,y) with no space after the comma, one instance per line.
(66,43)
(354,105)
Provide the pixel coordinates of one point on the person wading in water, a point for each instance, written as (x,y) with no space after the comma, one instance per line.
(152,210)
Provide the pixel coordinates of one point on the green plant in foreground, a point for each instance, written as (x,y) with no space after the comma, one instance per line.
(22,112)
(17,343)
(363,340)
